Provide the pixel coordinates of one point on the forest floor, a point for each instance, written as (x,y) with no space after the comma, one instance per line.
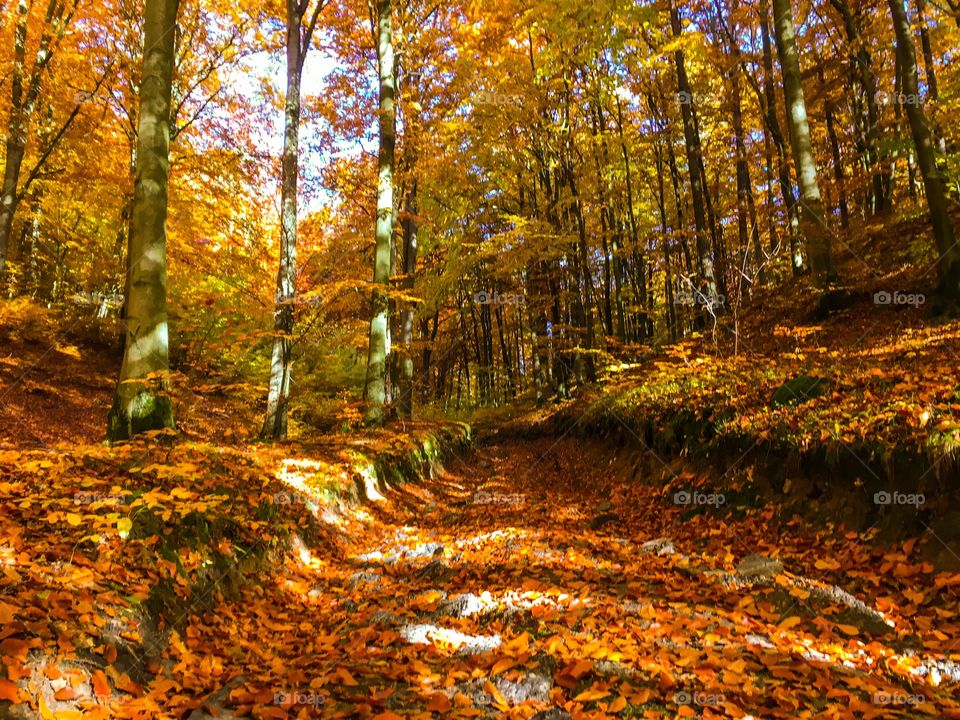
(527,578)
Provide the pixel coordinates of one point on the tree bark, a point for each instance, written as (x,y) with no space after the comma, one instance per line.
(298,38)
(374,389)
(141,402)
(812,224)
(773,126)
(948,264)
(410,238)
(705,269)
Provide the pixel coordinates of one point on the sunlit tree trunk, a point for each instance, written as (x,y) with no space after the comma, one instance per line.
(783,168)
(141,402)
(812,223)
(948,264)
(281,362)
(375,387)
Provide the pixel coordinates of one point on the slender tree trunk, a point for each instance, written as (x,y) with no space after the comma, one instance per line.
(948,264)
(930,71)
(275,422)
(812,223)
(141,403)
(746,213)
(866,108)
(773,126)
(375,390)
(838,174)
(410,238)
(705,270)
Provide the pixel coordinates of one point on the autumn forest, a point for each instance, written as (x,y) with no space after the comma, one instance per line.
(540,360)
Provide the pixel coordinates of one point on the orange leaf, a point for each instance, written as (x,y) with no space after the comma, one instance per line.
(9,691)
(6,613)
(100,685)
(439,702)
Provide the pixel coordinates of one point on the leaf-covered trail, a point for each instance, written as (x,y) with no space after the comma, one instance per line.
(529,578)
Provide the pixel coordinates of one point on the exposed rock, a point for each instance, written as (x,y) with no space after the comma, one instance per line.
(759,567)
(423,550)
(534,687)
(363,577)
(461,606)
(659,546)
(553,714)
(426,634)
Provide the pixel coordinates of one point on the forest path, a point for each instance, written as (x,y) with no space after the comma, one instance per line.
(529,578)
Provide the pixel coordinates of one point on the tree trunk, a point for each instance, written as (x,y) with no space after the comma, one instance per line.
(948,265)
(773,126)
(275,422)
(141,402)
(813,227)
(410,227)
(838,174)
(707,278)
(375,390)
(866,109)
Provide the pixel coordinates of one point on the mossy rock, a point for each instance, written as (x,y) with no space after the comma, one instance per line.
(799,390)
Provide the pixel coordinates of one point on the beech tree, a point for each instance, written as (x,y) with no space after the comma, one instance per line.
(948,261)
(812,222)
(141,402)
(300,29)
(375,385)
